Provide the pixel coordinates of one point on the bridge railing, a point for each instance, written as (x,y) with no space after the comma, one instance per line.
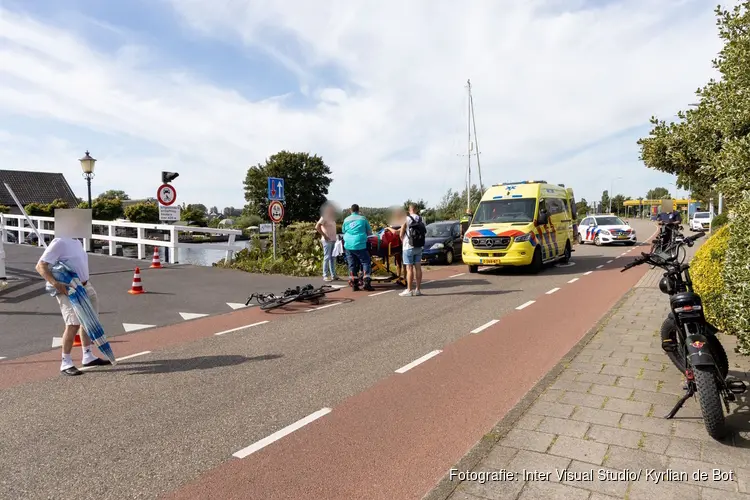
(17,225)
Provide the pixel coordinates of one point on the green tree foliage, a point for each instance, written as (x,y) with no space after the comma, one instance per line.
(42,210)
(421,204)
(231,212)
(113,194)
(107,209)
(618,203)
(453,204)
(709,148)
(582,208)
(194,214)
(605,201)
(737,275)
(658,193)
(147,212)
(306,180)
(4,209)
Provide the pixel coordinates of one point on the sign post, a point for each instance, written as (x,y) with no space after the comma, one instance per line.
(276,214)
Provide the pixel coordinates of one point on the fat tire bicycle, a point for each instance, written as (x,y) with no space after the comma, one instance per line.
(307,293)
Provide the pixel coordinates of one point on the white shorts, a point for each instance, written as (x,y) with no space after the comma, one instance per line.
(66,308)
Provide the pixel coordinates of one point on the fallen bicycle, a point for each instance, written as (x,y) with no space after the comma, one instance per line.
(307,293)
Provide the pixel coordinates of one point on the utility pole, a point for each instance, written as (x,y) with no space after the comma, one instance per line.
(472,149)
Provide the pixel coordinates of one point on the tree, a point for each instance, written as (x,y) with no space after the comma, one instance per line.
(709,149)
(453,204)
(42,210)
(605,201)
(582,208)
(658,193)
(107,209)
(214,210)
(143,212)
(113,194)
(4,209)
(306,180)
(618,202)
(421,204)
(194,214)
(231,212)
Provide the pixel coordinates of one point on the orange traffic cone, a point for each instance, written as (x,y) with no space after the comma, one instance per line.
(77,341)
(156,262)
(137,286)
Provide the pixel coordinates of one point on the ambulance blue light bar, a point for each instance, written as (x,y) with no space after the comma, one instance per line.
(522,182)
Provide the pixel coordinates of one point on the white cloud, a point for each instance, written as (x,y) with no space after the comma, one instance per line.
(546,82)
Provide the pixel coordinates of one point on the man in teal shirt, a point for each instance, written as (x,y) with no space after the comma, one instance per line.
(356,230)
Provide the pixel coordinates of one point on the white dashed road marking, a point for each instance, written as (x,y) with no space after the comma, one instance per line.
(573,280)
(552,291)
(129,356)
(188,316)
(587,273)
(485,326)
(134,327)
(324,307)
(610,261)
(241,327)
(381,293)
(456,275)
(281,433)
(599,267)
(525,305)
(419,361)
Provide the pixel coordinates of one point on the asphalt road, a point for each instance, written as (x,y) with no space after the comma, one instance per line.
(159,420)
(30,319)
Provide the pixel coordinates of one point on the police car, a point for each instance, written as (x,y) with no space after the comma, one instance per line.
(605,229)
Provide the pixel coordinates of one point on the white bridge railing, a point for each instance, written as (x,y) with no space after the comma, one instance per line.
(17,225)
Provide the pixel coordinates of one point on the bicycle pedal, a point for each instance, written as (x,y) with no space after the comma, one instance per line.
(736,386)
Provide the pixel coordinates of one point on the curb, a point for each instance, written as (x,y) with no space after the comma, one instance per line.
(445,487)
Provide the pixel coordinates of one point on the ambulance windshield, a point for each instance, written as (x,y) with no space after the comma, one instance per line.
(498,211)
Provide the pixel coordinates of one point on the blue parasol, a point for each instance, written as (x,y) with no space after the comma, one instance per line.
(82,306)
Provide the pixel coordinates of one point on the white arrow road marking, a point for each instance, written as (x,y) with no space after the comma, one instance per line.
(236,305)
(56,341)
(132,327)
(187,316)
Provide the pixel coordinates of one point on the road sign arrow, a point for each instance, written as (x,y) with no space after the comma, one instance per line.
(280,189)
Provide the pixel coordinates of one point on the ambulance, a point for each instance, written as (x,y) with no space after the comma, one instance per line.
(528,223)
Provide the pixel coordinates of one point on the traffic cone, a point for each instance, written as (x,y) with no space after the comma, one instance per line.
(77,341)
(137,286)
(156,262)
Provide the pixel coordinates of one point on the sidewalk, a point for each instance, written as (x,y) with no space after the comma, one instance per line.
(602,410)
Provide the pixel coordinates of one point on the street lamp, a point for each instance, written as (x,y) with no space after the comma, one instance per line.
(611,187)
(87,165)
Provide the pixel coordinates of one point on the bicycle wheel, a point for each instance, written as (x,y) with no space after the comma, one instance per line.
(278,302)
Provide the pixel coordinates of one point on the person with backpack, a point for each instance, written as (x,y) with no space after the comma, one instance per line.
(413,233)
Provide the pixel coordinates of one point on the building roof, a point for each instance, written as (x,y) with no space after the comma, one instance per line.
(35,187)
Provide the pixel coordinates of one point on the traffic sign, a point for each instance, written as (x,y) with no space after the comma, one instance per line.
(166,194)
(275,189)
(169,214)
(276,211)
(266,228)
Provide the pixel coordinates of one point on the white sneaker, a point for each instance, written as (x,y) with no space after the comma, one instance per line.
(405,293)
(417,293)
(326,278)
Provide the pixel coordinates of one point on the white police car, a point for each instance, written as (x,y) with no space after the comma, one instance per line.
(605,229)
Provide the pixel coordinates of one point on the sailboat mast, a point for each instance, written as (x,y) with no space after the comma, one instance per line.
(468,167)
(476,140)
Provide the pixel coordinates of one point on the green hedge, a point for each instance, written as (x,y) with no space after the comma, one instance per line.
(719,221)
(737,276)
(706,270)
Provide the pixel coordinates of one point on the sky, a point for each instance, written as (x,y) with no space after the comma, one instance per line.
(562,91)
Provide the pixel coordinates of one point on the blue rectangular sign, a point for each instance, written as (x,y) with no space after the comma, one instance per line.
(275,189)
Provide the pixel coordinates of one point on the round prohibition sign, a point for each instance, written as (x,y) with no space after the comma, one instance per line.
(276,211)
(166,194)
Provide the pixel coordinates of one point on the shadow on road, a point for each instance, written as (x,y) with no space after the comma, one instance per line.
(577,265)
(189,364)
(451,283)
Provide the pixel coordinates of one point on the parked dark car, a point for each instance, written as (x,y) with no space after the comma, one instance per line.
(443,242)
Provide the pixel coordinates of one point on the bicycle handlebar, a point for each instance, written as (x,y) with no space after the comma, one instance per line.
(657,260)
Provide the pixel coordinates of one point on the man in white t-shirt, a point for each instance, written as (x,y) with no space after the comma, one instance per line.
(412,252)
(71,252)
(326,227)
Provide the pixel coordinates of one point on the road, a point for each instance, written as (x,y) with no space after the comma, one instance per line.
(168,421)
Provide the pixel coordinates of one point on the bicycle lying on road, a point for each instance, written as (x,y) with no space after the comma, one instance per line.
(307,293)
(690,342)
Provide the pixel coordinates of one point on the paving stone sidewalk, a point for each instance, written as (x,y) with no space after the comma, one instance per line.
(604,413)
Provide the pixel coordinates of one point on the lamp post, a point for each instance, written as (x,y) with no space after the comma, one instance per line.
(87,165)
(611,187)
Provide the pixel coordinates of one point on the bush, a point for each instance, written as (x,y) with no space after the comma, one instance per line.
(706,271)
(737,276)
(719,221)
(143,212)
(299,253)
(4,209)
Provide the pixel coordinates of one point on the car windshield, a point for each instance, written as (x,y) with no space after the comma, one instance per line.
(609,221)
(703,215)
(493,211)
(438,230)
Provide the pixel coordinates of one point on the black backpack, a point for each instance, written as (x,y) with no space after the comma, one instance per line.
(416,232)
